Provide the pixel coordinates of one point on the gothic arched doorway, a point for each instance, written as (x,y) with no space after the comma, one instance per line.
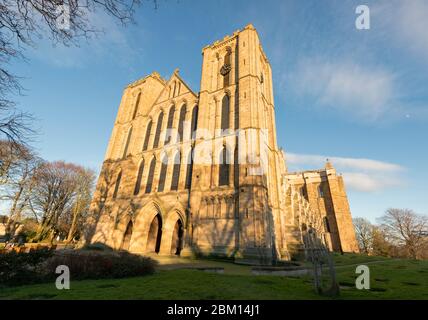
(155,234)
(177,238)
(127,237)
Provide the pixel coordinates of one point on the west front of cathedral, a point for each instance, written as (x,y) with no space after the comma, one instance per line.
(196,174)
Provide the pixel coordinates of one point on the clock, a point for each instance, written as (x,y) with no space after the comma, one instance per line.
(225,69)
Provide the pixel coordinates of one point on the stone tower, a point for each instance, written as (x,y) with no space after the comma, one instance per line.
(202,174)
(236,99)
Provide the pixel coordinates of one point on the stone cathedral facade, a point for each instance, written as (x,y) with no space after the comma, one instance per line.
(200,173)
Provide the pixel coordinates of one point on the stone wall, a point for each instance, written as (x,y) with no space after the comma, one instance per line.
(240,201)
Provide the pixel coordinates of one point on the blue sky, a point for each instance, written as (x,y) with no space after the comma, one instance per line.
(358,97)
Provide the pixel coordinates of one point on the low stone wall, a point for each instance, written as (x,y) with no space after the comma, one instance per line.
(27,247)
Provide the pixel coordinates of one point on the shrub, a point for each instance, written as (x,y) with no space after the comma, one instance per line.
(29,230)
(86,264)
(40,266)
(22,268)
(97,246)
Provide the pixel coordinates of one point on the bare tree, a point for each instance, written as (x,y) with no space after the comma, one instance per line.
(11,157)
(403,227)
(15,125)
(364,233)
(380,244)
(57,184)
(54,195)
(79,210)
(64,22)
(19,186)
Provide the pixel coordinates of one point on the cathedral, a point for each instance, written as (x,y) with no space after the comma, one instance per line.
(200,173)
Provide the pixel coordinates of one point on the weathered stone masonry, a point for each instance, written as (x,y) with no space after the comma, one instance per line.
(188,173)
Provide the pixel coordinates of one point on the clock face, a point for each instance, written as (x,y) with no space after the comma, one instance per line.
(225,69)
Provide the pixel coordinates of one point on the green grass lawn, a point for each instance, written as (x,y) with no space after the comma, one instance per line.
(350,259)
(390,279)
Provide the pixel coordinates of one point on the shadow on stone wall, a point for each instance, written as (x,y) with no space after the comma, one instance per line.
(225,244)
(319,256)
(98,205)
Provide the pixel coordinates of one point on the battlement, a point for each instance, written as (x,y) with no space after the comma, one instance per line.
(227,38)
(154,75)
(158,198)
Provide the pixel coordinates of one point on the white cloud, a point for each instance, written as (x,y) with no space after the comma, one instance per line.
(109,41)
(373,77)
(414,25)
(353,163)
(368,182)
(366,93)
(406,22)
(360,174)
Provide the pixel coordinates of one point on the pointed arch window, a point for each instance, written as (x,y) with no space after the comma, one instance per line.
(189,170)
(320,191)
(139,178)
(194,122)
(127,237)
(147,137)
(227,67)
(169,125)
(117,185)
(158,130)
(225,112)
(176,171)
(236,167)
(326,225)
(128,140)
(150,176)
(224,167)
(181,123)
(162,176)
(137,102)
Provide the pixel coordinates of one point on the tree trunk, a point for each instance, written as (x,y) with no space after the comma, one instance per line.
(10,227)
(73,226)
